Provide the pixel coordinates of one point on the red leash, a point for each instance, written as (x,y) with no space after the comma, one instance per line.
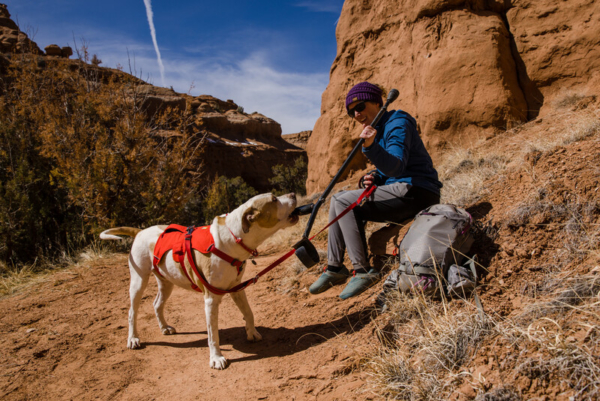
(188,250)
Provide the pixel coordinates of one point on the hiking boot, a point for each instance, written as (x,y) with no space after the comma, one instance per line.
(360,282)
(328,279)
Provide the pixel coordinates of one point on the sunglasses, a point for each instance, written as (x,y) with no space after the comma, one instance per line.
(360,106)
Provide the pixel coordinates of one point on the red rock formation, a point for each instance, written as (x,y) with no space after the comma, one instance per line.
(465,69)
(11,38)
(300,139)
(237,144)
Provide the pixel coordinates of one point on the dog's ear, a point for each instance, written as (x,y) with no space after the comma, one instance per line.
(249,216)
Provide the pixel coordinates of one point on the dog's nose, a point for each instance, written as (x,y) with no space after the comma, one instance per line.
(292,195)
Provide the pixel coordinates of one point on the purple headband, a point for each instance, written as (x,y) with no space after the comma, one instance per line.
(366,92)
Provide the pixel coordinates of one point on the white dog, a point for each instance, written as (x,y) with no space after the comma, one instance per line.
(253,222)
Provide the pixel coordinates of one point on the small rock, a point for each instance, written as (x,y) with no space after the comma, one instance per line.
(31,330)
(53,50)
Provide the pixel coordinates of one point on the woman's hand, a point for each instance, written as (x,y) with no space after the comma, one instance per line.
(368,133)
(366,181)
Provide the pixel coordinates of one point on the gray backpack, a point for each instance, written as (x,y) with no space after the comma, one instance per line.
(432,252)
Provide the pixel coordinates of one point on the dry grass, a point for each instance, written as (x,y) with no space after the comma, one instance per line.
(579,233)
(578,126)
(422,346)
(558,340)
(504,393)
(466,171)
(15,279)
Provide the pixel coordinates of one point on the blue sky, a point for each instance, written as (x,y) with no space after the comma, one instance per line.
(268,56)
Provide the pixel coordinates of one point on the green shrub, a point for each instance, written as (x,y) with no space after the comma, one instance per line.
(224,195)
(290,178)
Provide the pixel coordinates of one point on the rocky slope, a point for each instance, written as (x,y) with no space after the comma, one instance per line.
(238,144)
(11,37)
(465,69)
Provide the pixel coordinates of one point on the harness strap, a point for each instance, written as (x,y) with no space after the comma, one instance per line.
(233,262)
(416,269)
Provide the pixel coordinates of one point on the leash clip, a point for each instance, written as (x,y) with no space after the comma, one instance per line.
(190,231)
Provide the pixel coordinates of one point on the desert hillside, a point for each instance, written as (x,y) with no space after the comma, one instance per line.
(235,140)
(507,97)
(533,191)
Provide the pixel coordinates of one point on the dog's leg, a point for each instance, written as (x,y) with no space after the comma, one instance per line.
(211,307)
(139,280)
(165,288)
(242,303)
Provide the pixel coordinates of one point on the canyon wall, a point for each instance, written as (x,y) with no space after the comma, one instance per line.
(466,70)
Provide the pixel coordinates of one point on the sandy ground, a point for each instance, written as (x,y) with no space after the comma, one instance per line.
(66,339)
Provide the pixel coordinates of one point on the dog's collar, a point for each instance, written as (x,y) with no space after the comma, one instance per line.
(239,241)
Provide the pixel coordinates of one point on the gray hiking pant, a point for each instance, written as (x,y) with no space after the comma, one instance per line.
(394,203)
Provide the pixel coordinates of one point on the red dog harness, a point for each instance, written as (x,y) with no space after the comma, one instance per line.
(182,240)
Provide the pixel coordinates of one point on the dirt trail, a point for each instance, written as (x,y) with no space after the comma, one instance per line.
(66,339)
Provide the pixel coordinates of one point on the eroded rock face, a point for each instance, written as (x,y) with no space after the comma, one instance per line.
(11,38)
(237,144)
(464,69)
(300,139)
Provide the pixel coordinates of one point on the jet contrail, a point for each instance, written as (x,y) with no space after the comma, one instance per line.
(150,15)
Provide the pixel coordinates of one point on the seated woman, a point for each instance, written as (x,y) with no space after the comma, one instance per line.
(406,184)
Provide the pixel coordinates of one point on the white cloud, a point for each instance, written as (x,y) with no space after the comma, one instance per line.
(328,6)
(150,15)
(291,99)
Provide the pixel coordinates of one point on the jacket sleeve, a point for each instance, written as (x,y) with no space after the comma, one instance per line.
(393,157)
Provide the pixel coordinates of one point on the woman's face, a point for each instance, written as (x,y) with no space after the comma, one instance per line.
(366,116)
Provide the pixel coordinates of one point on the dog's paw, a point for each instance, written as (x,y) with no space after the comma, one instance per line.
(218,362)
(253,335)
(133,343)
(167,331)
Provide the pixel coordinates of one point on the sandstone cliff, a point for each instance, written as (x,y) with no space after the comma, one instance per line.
(300,139)
(466,70)
(11,37)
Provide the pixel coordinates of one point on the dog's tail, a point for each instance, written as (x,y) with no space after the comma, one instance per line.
(111,234)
